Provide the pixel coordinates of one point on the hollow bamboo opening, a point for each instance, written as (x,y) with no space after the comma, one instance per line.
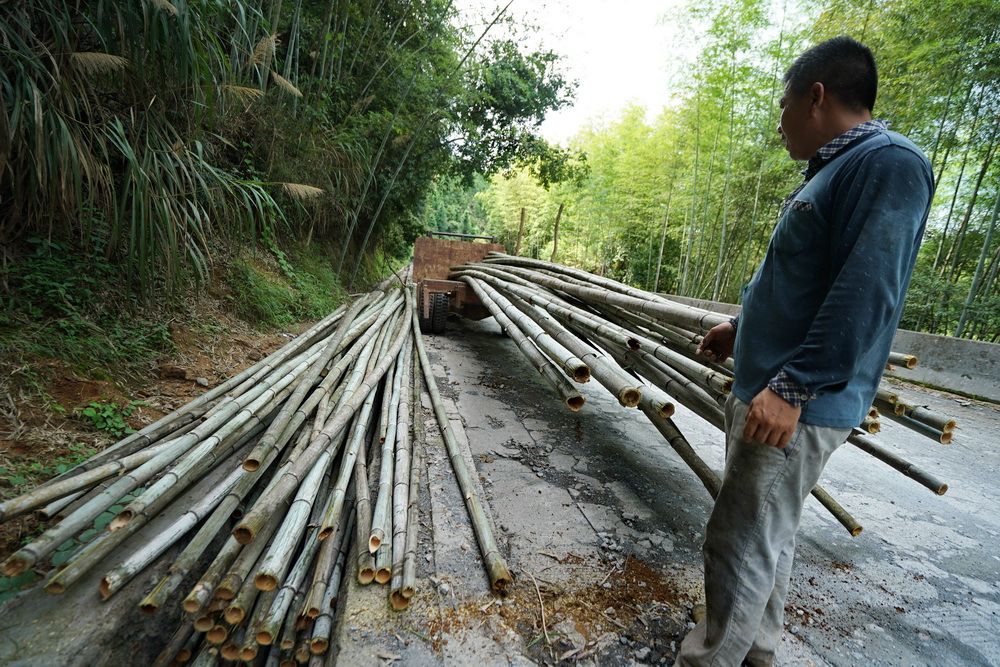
(216,635)
(366,575)
(318,646)
(581,374)
(574,403)
(104,588)
(248,653)
(243,534)
(190,606)
(630,397)
(383,575)
(265,582)
(55,588)
(264,638)
(235,614)
(230,651)
(399,601)
(251,464)
(204,623)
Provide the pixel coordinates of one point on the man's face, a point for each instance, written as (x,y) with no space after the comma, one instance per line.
(796,124)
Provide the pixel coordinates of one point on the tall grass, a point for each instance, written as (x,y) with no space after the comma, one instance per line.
(116,108)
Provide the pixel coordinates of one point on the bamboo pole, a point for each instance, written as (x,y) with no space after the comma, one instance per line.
(177,641)
(571,364)
(520,232)
(406,588)
(904,360)
(284,485)
(45,544)
(915,473)
(543,364)
(656,307)
(401,468)
(288,409)
(383,496)
(319,640)
(619,384)
(363,558)
(496,567)
(838,512)
(115,578)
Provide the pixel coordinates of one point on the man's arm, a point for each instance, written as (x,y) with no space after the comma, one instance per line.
(884,207)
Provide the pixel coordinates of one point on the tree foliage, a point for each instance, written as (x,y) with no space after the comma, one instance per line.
(704,180)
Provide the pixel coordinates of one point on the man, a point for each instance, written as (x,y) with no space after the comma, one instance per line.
(811,342)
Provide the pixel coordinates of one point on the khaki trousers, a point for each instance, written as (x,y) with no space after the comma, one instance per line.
(750,542)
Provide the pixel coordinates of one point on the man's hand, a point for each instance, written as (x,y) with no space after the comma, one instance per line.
(771,419)
(717,344)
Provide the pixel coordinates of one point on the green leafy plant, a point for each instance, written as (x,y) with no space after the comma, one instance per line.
(109,417)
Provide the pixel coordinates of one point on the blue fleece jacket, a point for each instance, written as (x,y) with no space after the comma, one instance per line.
(825,303)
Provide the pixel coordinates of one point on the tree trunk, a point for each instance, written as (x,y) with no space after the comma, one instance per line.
(555,232)
(974,288)
(520,233)
(694,194)
(955,254)
(663,238)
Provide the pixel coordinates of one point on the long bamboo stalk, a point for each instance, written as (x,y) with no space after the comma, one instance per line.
(496,566)
(287,482)
(919,475)
(407,585)
(319,640)
(383,496)
(572,398)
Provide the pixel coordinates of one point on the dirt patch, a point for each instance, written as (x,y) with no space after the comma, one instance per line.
(613,612)
(40,432)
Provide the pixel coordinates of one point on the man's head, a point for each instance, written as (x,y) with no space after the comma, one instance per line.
(829,89)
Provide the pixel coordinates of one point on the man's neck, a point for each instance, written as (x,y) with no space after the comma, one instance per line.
(842,123)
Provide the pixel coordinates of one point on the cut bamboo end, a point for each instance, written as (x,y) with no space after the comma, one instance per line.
(251,465)
(581,374)
(946,437)
(230,651)
(121,520)
(204,623)
(248,653)
(265,582)
(55,588)
(191,605)
(234,615)
(148,607)
(408,591)
(264,638)
(633,343)
(17,563)
(574,403)
(216,635)
(665,410)
(105,588)
(399,601)
(183,656)
(941,490)
(244,534)
(630,397)
(383,575)
(366,575)
(319,646)
(302,654)
(375,541)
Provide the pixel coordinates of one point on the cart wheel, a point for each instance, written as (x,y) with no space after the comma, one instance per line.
(439,311)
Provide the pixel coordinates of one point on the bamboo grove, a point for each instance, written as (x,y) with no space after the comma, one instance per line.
(684,202)
(271,488)
(149,132)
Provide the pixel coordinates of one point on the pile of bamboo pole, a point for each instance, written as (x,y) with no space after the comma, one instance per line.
(303,471)
(641,347)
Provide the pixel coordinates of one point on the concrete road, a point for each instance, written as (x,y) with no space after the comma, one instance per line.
(602,524)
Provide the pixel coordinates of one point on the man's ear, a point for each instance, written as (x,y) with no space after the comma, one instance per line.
(817,95)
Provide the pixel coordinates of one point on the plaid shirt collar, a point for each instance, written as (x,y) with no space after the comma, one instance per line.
(828,151)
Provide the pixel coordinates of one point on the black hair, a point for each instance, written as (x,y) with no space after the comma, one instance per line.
(844,66)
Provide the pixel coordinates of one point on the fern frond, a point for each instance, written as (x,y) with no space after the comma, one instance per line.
(95,62)
(285,84)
